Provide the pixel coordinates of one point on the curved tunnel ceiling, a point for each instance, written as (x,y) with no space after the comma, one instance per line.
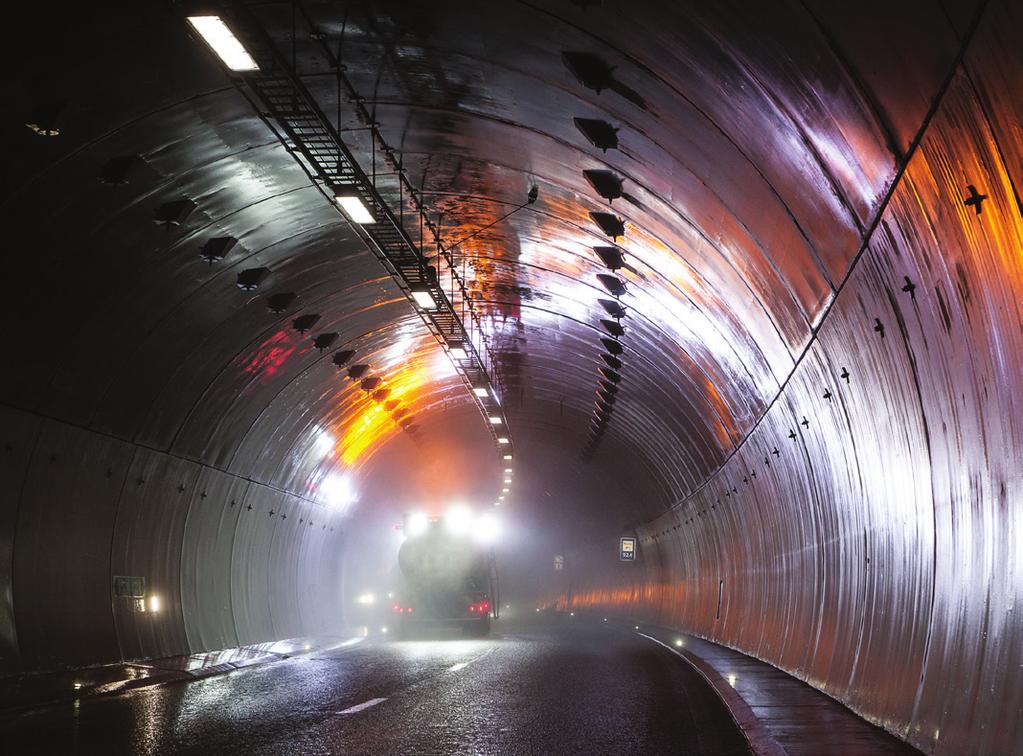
(746,172)
(745,168)
(764,313)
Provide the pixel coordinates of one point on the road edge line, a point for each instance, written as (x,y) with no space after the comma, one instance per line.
(758,737)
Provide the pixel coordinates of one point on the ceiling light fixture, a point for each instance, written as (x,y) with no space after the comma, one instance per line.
(503,440)
(349,199)
(457,350)
(222,41)
(495,420)
(421,294)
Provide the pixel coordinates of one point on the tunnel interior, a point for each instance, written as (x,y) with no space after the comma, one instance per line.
(762,315)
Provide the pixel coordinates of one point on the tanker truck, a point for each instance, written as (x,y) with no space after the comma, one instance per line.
(448,575)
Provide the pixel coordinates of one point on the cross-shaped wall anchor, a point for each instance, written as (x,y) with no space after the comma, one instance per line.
(909,288)
(975,200)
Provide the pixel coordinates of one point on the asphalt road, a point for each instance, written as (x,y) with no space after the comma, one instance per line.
(552,688)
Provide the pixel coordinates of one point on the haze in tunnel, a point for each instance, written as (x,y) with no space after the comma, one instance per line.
(738,280)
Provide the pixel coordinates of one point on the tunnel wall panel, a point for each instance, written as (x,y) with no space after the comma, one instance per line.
(18,435)
(206,550)
(147,541)
(250,576)
(876,553)
(223,575)
(289,582)
(68,506)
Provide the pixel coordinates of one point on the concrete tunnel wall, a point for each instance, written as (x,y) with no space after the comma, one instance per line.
(865,537)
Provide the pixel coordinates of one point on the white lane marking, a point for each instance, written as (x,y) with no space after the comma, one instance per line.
(462,665)
(363,705)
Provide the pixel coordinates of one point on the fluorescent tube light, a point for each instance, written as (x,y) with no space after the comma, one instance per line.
(223,42)
(350,201)
(457,350)
(424,298)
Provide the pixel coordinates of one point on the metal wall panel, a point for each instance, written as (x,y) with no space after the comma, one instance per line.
(876,553)
(19,433)
(250,567)
(223,574)
(67,507)
(206,553)
(862,530)
(146,540)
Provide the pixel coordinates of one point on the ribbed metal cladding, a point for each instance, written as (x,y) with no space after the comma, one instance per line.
(875,553)
(817,401)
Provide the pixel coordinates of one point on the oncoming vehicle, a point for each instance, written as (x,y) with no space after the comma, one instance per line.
(449,574)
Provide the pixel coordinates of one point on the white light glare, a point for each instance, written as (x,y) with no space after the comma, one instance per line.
(353,206)
(487,528)
(154,603)
(366,598)
(480,391)
(456,350)
(223,42)
(424,299)
(458,519)
(504,490)
(508,470)
(495,420)
(507,456)
(502,440)
(337,490)
(323,442)
(417,524)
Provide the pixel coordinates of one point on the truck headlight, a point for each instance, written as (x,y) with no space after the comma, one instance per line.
(417,524)
(487,528)
(458,520)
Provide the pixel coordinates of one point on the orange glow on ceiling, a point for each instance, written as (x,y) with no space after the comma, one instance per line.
(372,424)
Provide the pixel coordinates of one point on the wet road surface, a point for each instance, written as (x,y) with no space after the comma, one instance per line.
(554,688)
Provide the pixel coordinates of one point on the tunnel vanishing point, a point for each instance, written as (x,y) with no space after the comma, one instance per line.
(741,280)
